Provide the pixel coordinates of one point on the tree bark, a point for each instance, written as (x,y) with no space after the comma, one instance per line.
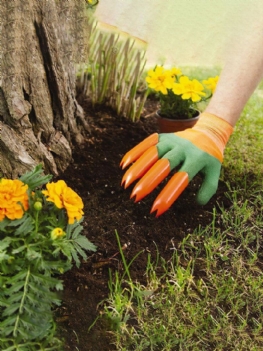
(40,119)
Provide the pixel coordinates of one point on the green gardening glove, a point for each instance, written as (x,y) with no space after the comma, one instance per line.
(198,149)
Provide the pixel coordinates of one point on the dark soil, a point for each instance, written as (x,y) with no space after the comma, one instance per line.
(96,176)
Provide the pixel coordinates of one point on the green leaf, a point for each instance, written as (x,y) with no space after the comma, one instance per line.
(35,178)
(12,348)
(3,256)
(5,243)
(85,243)
(3,302)
(14,288)
(65,247)
(11,309)
(6,330)
(59,285)
(72,227)
(27,226)
(16,297)
(32,254)
(32,298)
(76,232)
(75,258)
(81,252)
(48,280)
(56,266)
(19,249)
(7,322)
(3,224)
(19,276)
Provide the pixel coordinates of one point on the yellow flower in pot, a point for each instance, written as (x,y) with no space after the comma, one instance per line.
(179,97)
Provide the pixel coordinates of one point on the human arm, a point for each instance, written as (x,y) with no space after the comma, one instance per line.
(194,150)
(242,72)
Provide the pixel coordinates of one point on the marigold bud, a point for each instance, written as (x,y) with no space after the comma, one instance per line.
(38,206)
(57,233)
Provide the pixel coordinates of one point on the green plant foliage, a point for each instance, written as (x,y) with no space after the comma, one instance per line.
(112,75)
(34,250)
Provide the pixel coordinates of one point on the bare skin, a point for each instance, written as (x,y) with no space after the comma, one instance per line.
(241,74)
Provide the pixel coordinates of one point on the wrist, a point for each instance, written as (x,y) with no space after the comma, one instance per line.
(216,128)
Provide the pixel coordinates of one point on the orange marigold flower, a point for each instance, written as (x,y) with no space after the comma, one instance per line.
(64,197)
(13,198)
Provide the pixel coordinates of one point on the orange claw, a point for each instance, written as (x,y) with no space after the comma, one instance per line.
(140,167)
(170,193)
(151,179)
(139,149)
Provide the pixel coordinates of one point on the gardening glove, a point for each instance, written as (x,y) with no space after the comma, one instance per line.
(197,149)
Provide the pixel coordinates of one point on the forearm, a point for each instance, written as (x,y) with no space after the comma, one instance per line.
(242,73)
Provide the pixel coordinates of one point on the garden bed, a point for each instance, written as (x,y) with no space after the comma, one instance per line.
(96,176)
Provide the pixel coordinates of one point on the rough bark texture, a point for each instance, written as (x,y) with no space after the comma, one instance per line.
(40,119)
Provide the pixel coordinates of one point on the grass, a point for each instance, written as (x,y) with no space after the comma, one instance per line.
(209,295)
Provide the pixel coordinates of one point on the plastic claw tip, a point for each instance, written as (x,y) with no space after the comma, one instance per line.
(140,167)
(170,193)
(138,150)
(151,179)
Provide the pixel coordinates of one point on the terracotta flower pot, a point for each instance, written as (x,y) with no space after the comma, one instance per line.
(167,125)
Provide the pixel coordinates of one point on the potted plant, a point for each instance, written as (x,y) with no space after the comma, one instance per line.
(179,97)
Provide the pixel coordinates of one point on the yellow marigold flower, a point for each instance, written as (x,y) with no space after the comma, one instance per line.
(57,233)
(189,89)
(160,79)
(64,197)
(211,83)
(175,72)
(13,198)
(177,89)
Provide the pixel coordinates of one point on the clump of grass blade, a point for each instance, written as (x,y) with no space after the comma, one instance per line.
(112,74)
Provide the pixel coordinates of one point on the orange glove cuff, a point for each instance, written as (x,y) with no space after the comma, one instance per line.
(217,131)
(215,128)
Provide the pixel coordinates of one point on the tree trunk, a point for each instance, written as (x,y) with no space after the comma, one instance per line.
(40,119)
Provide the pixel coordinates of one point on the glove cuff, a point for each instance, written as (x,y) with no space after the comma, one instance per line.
(215,128)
